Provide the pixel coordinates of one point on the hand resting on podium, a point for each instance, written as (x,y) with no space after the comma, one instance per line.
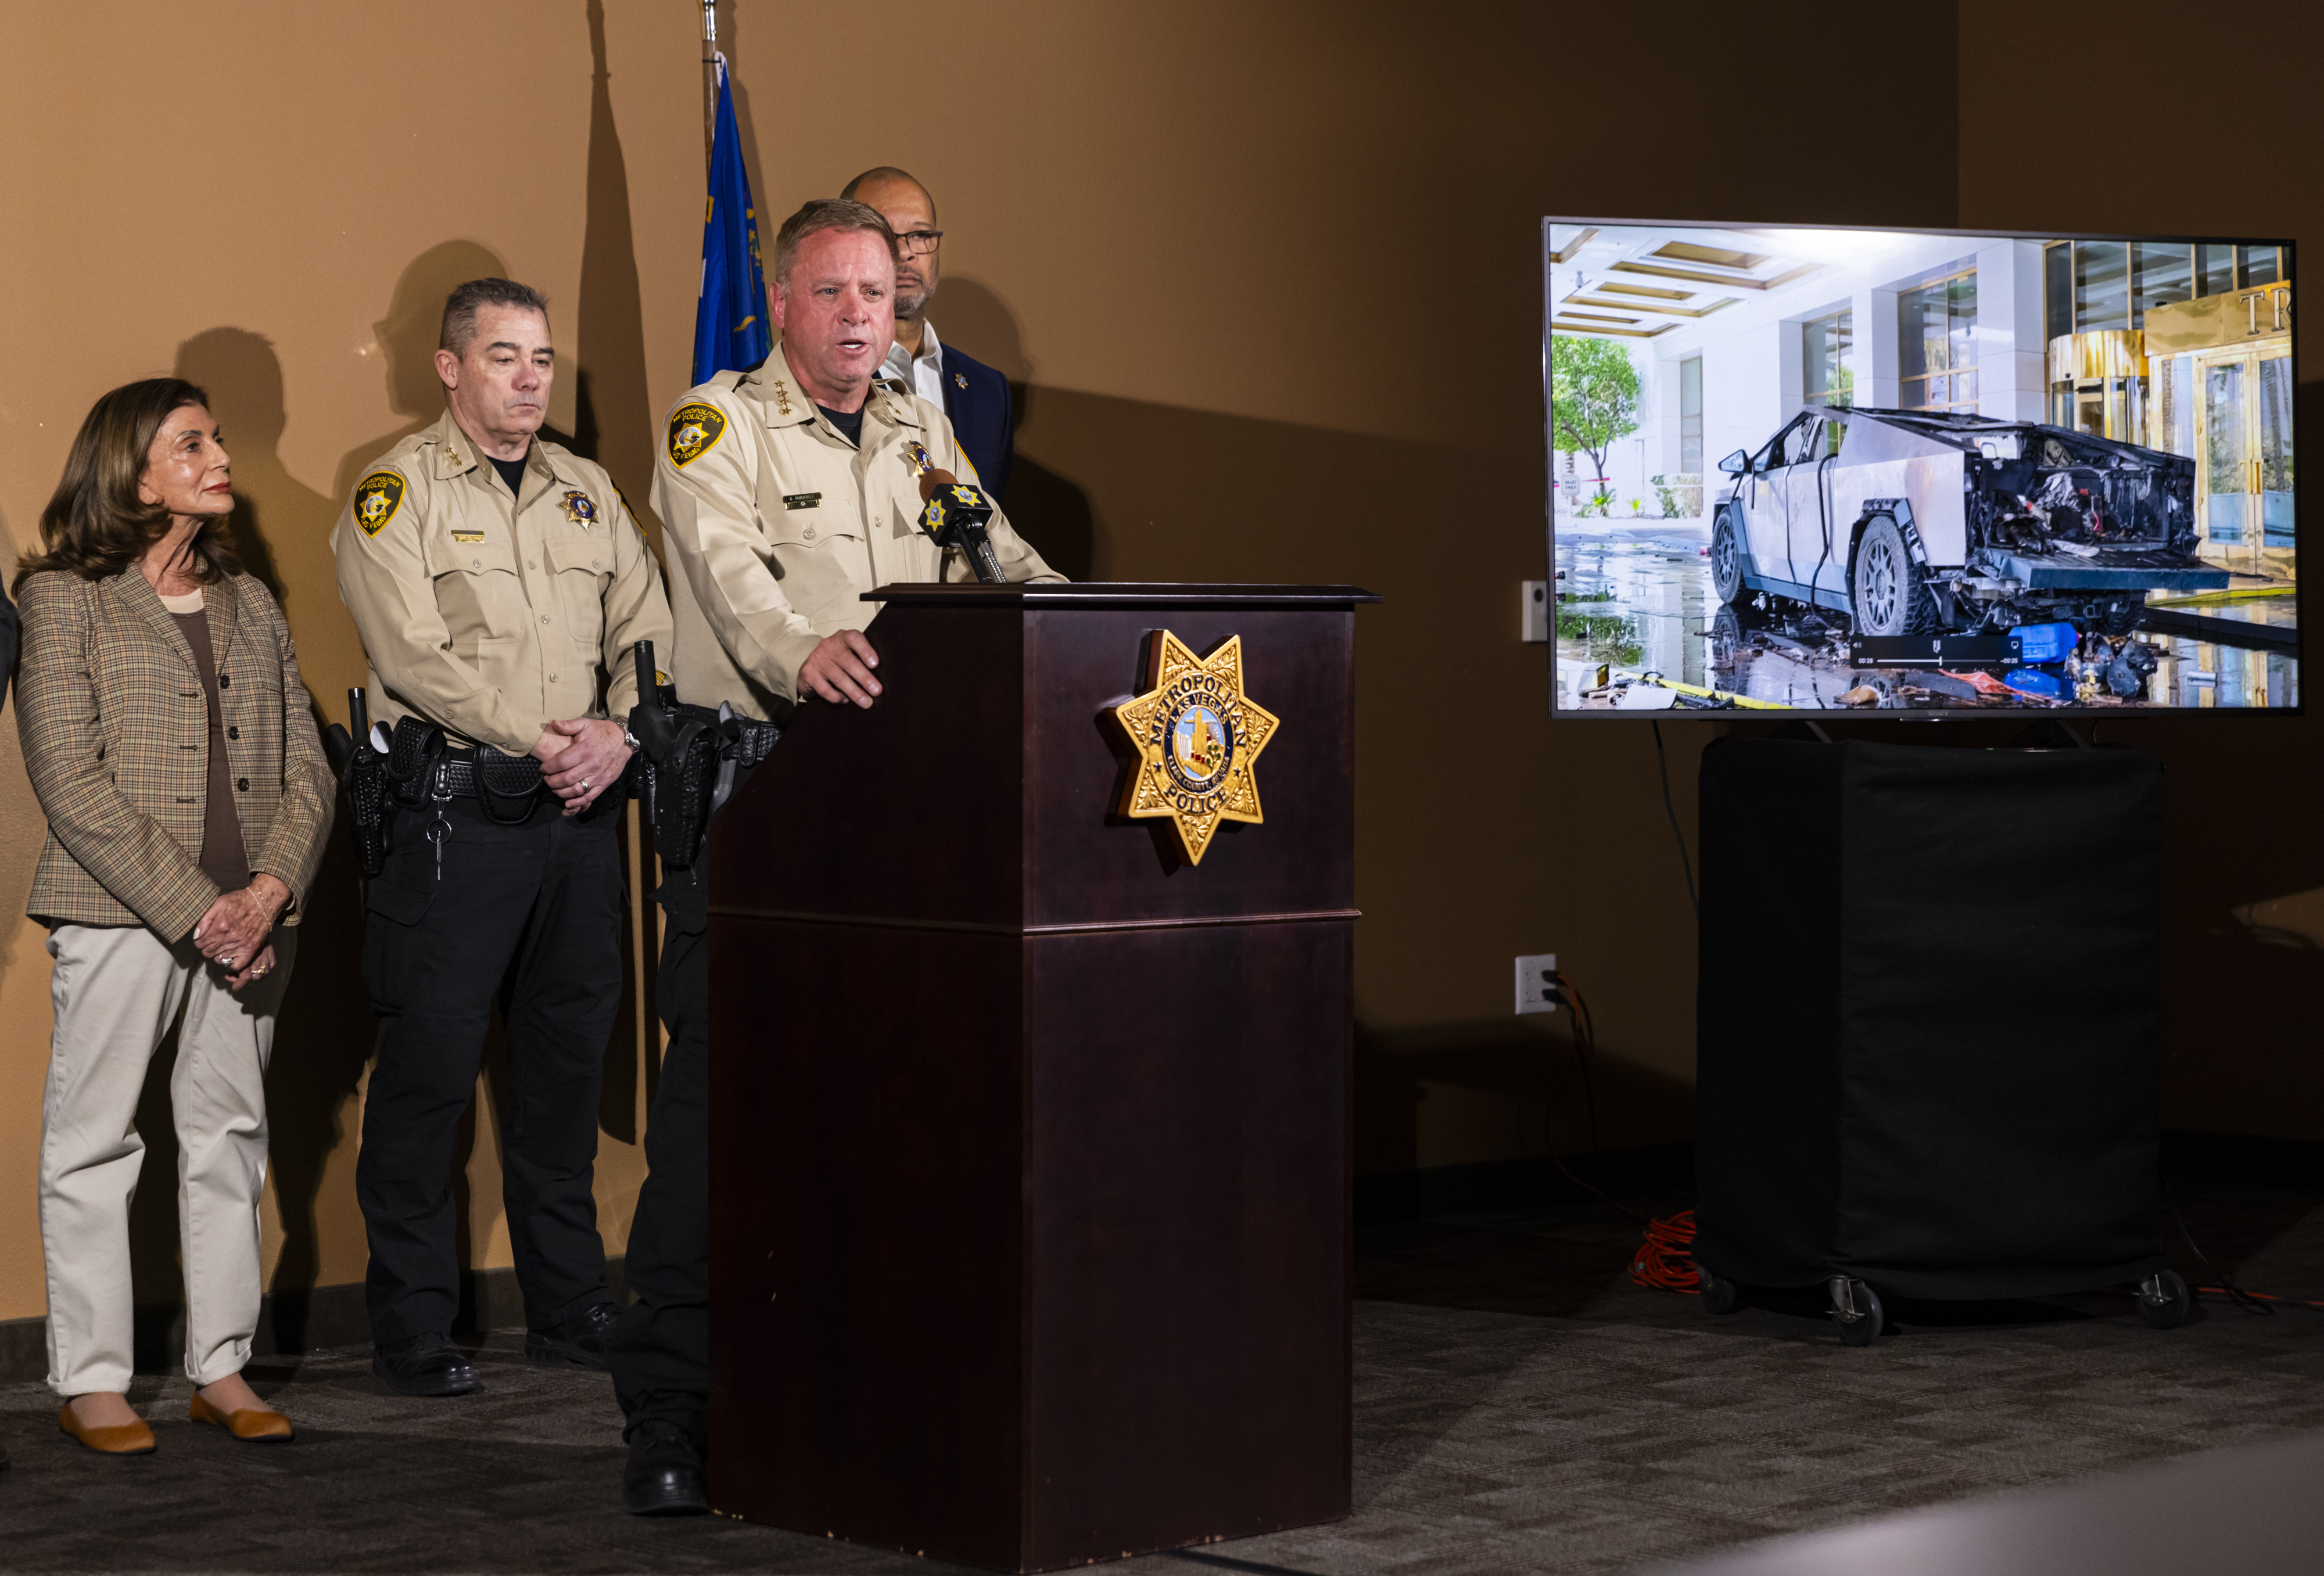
(840,668)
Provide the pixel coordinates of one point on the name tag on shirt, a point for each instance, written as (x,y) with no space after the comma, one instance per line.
(467,536)
(802,499)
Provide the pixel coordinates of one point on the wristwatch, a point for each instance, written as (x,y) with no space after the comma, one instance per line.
(630,738)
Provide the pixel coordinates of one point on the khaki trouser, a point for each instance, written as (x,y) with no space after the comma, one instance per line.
(115,990)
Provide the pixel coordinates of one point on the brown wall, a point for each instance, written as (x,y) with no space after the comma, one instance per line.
(1267,274)
(2241,1037)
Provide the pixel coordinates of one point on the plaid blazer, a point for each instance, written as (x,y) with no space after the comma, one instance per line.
(115,731)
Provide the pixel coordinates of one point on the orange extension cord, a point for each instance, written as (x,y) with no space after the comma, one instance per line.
(2244,1299)
(1666,1262)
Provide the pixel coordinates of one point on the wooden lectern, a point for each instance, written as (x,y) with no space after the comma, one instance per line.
(1030,1152)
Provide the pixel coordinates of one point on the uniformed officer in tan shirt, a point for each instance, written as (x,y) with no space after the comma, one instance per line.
(777,517)
(499,583)
(785,493)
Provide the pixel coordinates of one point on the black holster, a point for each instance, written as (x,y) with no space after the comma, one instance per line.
(363,777)
(414,751)
(686,762)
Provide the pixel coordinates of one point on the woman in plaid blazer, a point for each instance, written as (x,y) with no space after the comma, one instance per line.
(168,736)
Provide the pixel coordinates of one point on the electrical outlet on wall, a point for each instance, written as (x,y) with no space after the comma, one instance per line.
(1535,618)
(1534,982)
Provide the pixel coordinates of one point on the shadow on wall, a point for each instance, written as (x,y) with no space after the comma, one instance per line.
(313,1082)
(274,511)
(1451,1094)
(612,422)
(406,340)
(1050,508)
(971,316)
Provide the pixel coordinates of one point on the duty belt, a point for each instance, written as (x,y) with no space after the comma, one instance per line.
(424,769)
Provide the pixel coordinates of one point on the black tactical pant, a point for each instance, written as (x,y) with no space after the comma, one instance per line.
(529,914)
(660,1351)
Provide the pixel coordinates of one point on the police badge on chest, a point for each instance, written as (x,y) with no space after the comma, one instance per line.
(580,509)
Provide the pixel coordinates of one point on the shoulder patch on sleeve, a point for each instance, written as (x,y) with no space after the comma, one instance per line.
(377,498)
(693,430)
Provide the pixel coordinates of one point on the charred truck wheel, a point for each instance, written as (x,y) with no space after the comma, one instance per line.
(1728,637)
(1888,597)
(1727,555)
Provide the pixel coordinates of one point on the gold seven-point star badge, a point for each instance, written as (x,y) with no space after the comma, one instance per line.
(1197,736)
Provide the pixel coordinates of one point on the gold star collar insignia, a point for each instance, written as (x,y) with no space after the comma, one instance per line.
(1198,737)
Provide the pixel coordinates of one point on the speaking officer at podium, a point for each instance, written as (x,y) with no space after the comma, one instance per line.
(786,492)
(499,583)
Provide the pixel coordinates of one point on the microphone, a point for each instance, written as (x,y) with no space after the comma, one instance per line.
(954,515)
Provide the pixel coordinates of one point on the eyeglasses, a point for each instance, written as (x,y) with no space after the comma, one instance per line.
(919,243)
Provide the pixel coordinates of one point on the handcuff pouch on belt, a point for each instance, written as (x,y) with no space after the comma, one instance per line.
(508,787)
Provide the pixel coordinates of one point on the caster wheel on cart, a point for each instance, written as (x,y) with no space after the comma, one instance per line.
(2164,1300)
(1855,1311)
(1718,1295)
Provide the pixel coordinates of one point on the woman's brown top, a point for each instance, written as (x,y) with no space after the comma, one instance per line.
(224,859)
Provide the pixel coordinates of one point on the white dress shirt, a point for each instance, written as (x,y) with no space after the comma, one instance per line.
(922,373)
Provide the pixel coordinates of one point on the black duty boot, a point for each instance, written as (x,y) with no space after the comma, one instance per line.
(579,1341)
(425,1365)
(663,1475)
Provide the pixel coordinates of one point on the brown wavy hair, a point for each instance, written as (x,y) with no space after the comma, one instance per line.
(95,525)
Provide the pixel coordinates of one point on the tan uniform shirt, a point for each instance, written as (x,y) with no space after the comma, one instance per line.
(494,616)
(776,526)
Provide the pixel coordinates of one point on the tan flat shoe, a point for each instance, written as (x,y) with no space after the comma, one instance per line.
(255,1426)
(121,1439)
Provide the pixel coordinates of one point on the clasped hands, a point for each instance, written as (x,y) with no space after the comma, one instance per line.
(232,933)
(581,758)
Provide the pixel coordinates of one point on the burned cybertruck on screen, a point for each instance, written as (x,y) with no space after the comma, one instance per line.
(1928,523)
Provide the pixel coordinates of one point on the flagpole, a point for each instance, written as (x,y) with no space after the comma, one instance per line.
(709,80)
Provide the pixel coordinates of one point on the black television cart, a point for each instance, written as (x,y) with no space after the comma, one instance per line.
(1928,1025)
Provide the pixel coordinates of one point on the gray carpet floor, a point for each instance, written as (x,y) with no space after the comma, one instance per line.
(1519,1408)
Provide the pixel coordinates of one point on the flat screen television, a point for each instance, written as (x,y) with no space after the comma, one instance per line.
(1918,471)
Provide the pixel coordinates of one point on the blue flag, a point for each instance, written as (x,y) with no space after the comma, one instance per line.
(731,329)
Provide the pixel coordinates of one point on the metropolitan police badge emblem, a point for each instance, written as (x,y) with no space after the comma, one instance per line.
(580,509)
(693,430)
(377,497)
(1197,737)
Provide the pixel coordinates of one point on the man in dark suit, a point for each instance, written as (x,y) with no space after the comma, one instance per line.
(973,395)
